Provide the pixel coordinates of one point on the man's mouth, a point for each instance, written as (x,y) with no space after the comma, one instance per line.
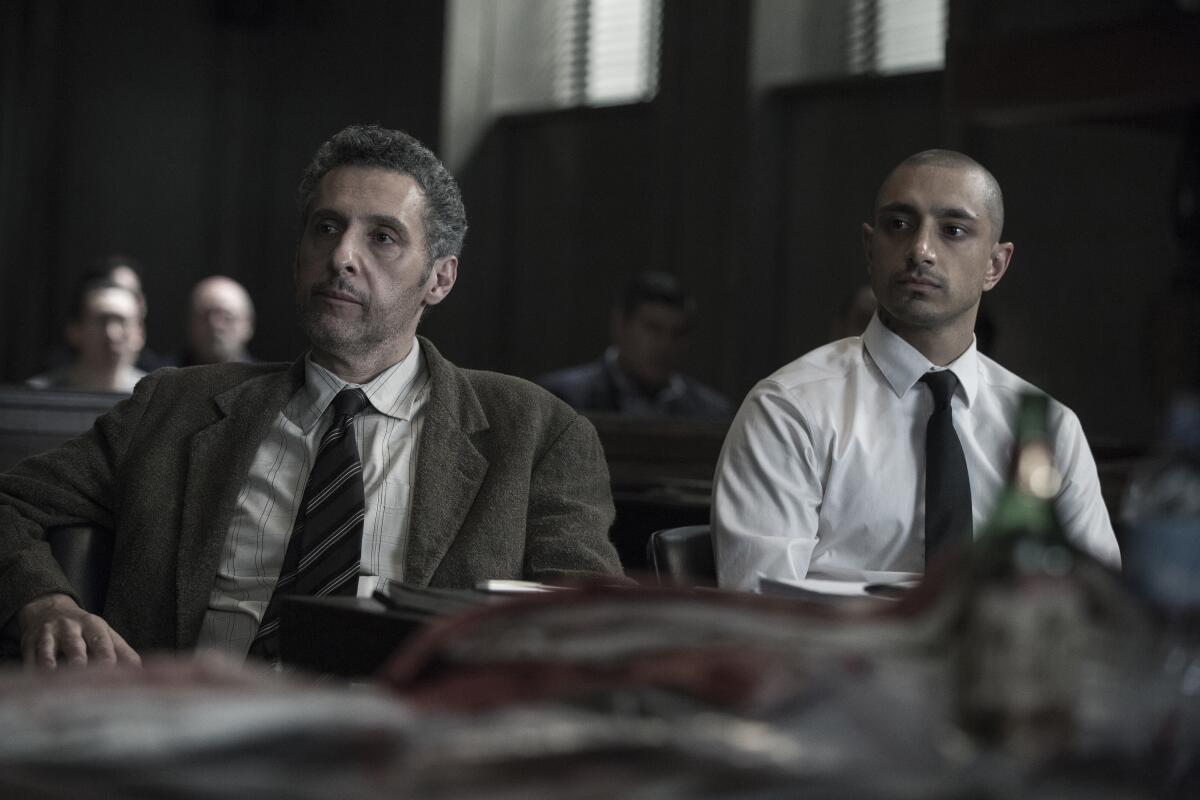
(913,279)
(337,296)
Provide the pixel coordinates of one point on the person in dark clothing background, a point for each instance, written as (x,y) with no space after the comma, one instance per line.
(638,375)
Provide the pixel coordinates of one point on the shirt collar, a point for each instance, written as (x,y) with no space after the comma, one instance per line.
(903,365)
(391,392)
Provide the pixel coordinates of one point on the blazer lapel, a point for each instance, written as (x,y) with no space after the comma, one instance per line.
(220,457)
(450,468)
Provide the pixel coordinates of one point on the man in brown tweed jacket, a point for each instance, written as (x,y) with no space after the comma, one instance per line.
(507,481)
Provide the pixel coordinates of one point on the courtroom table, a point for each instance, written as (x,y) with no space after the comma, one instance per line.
(353,637)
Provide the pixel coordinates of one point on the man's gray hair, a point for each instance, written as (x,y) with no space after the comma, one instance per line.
(375,146)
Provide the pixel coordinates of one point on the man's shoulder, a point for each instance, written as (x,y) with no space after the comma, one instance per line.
(218,376)
(478,399)
(702,401)
(998,378)
(51,379)
(577,373)
(828,363)
(810,389)
(498,391)
(575,383)
(200,383)
(1005,388)
(497,395)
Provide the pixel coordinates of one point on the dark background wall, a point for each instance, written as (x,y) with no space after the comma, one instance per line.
(177,131)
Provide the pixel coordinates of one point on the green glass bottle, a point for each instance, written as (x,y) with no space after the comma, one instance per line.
(1025,623)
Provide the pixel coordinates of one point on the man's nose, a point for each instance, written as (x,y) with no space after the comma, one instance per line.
(345,256)
(218,320)
(114,330)
(921,249)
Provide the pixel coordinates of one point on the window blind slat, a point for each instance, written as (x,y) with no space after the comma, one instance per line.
(607,51)
(888,36)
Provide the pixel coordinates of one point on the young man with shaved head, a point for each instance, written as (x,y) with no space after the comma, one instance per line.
(824,471)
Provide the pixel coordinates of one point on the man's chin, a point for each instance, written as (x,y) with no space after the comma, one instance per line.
(915,311)
(326,334)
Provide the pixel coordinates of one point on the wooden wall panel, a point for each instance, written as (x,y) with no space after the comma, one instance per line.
(176,132)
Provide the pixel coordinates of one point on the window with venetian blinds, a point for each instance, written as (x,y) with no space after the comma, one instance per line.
(890,36)
(606,51)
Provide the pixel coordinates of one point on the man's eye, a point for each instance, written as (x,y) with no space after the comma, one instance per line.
(955,231)
(897,224)
(324,227)
(385,238)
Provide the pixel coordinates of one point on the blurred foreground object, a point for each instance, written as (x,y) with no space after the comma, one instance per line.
(1161,522)
(200,727)
(847,699)
(1039,611)
(597,693)
(1161,515)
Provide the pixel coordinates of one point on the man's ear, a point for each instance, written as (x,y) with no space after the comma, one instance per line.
(867,233)
(998,262)
(443,275)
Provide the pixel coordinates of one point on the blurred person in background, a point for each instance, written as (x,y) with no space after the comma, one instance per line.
(105,333)
(854,314)
(220,323)
(122,270)
(125,271)
(638,375)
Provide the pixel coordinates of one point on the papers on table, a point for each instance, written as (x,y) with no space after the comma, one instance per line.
(514,587)
(427,600)
(431,601)
(837,584)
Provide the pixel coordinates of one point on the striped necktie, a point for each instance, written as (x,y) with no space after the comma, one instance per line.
(324,549)
(947,485)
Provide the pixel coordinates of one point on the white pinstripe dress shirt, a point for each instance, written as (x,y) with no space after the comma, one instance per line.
(388,434)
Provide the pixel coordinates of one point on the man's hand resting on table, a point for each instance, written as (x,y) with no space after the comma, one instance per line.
(56,631)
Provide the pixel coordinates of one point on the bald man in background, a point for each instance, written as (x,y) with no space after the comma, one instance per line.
(220,323)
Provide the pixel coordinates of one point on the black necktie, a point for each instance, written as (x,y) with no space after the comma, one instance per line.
(947,486)
(326,543)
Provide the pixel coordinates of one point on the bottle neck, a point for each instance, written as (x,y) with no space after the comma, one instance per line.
(1033,470)
(1026,506)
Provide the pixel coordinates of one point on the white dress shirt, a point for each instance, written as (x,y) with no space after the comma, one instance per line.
(388,432)
(823,469)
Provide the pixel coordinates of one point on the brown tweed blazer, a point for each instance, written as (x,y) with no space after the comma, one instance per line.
(511,483)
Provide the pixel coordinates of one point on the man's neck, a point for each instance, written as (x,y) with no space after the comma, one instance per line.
(101,379)
(360,368)
(940,344)
(645,389)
